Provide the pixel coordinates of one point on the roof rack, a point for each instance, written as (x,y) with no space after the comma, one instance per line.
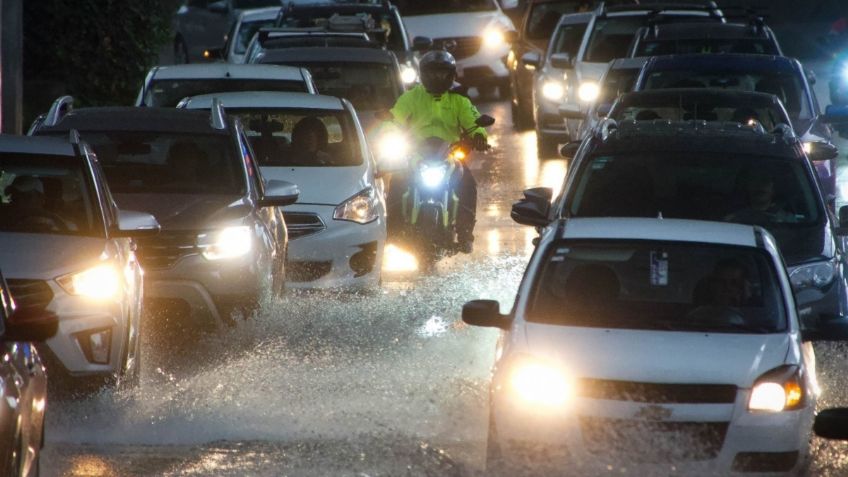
(274,33)
(62,106)
(657,8)
(218,118)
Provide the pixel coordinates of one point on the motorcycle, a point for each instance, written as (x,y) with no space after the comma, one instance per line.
(429,201)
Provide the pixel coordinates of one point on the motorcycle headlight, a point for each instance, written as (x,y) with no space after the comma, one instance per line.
(553,90)
(493,38)
(230,242)
(100,282)
(588,91)
(408,74)
(538,383)
(392,146)
(361,208)
(778,390)
(432,177)
(814,275)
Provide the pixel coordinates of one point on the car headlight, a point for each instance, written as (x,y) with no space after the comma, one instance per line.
(361,208)
(100,282)
(392,146)
(230,242)
(553,90)
(493,38)
(539,383)
(432,177)
(778,390)
(588,91)
(814,275)
(408,74)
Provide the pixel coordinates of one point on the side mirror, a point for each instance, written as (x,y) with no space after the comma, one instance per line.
(219,7)
(570,150)
(534,208)
(422,43)
(484,121)
(531,60)
(485,313)
(562,61)
(570,111)
(832,424)
(136,224)
(826,328)
(279,194)
(27,325)
(821,151)
(510,36)
(539,195)
(834,114)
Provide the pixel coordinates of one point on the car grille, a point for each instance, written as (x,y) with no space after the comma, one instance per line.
(658,392)
(30,295)
(165,249)
(650,441)
(465,45)
(301,224)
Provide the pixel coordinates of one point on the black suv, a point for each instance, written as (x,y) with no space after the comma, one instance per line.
(708,171)
(753,38)
(223,241)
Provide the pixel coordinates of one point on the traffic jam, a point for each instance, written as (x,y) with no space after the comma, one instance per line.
(441,238)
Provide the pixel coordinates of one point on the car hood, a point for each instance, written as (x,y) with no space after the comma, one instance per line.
(803,244)
(453,25)
(322,185)
(23,255)
(186,211)
(659,356)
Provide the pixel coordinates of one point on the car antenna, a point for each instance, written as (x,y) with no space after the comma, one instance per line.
(219,118)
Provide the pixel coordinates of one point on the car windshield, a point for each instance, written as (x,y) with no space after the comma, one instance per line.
(387,22)
(645,285)
(788,87)
(688,106)
(703,45)
(568,38)
(168,93)
(47,195)
(611,36)
(544,17)
(410,8)
(368,86)
(617,82)
(301,137)
(248,4)
(246,31)
(160,163)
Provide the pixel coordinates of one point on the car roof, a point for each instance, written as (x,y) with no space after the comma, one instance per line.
(54,146)
(262,99)
(677,31)
(697,136)
(228,70)
(137,119)
(259,14)
(328,54)
(722,62)
(662,230)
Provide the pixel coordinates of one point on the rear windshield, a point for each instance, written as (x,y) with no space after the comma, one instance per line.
(646,285)
(168,93)
(47,195)
(788,87)
(301,138)
(703,45)
(246,31)
(410,8)
(157,163)
(544,17)
(690,107)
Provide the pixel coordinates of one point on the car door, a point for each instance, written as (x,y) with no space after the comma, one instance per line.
(10,384)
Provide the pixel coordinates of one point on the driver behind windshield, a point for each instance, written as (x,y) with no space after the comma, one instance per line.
(28,208)
(309,141)
(762,208)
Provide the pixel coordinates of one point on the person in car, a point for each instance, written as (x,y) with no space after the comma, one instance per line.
(762,208)
(28,206)
(432,110)
(309,142)
(727,285)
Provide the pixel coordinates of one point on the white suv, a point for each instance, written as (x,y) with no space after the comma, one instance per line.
(652,342)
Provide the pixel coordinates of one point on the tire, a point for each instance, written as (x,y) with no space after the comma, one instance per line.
(546,148)
(429,233)
(180,52)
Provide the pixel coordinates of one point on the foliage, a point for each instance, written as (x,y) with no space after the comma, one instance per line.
(99,49)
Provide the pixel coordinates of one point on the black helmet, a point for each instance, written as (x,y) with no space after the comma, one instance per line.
(438,71)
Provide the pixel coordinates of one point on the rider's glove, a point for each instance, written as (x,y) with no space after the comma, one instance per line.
(479,142)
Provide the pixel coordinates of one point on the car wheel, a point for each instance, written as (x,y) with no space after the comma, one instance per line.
(180,52)
(546,148)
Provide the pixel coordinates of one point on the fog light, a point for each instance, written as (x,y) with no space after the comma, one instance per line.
(96,345)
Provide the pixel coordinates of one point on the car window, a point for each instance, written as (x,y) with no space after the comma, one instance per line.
(667,286)
(47,194)
(250,164)
(611,37)
(544,17)
(410,8)
(788,87)
(617,82)
(568,39)
(703,45)
(168,93)
(159,163)
(691,107)
(246,31)
(301,137)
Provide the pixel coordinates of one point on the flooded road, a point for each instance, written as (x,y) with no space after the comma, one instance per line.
(333,384)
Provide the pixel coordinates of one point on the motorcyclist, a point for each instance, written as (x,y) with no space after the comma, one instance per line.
(432,110)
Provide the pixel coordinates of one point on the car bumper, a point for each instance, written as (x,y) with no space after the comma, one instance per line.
(590,438)
(343,254)
(486,67)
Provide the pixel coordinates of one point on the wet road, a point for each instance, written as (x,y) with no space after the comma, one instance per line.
(390,384)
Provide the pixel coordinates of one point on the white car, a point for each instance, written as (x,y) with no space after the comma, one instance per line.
(166,86)
(66,248)
(641,343)
(478,27)
(249,22)
(337,228)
